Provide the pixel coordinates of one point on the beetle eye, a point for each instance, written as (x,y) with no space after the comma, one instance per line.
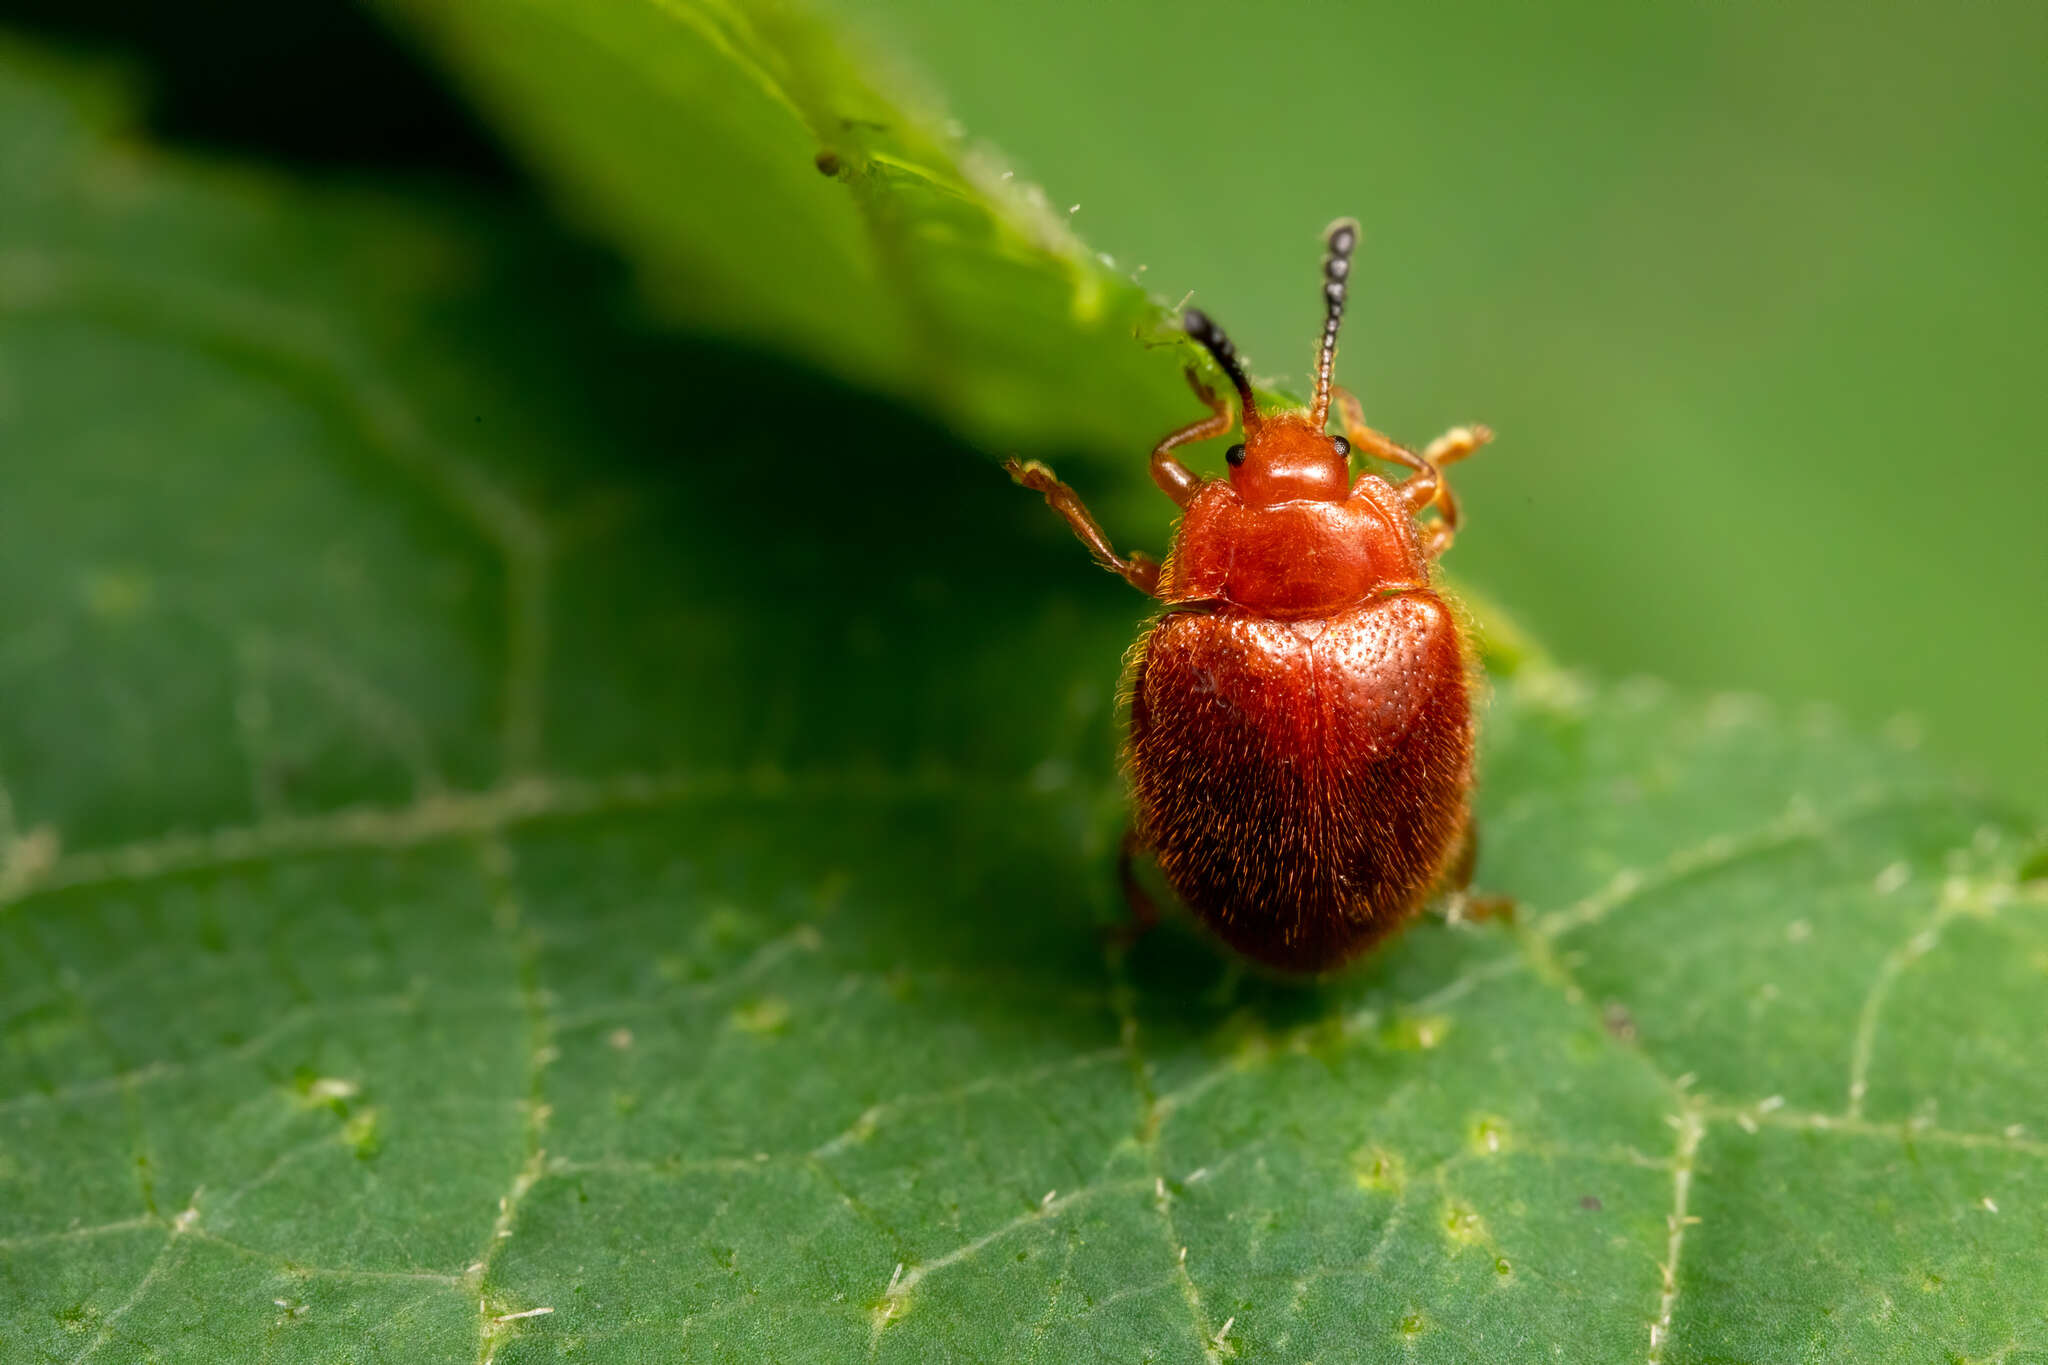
(1235,454)
(1342,446)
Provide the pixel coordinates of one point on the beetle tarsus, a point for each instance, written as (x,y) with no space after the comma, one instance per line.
(1141,571)
(1461,904)
(1455,444)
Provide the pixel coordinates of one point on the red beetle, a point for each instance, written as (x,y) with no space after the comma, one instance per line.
(1300,741)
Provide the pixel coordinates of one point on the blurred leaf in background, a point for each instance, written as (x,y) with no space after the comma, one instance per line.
(888,253)
(533,837)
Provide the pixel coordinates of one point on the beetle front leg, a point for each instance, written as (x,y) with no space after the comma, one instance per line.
(1175,479)
(1141,571)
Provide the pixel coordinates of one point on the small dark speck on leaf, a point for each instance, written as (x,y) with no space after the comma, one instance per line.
(1619,1021)
(1590,1203)
(828,163)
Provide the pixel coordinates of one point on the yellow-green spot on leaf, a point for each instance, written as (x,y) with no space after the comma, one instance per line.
(1328,1038)
(1412,1325)
(76,1317)
(767,1015)
(1463,1225)
(362,1133)
(1375,1168)
(1244,1038)
(328,1089)
(887,1310)
(117,595)
(1415,1032)
(1489,1136)
(331,1093)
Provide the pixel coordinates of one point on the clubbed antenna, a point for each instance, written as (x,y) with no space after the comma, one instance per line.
(1198,326)
(1342,240)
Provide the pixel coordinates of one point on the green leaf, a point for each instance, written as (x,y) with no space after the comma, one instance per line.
(694,134)
(504,861)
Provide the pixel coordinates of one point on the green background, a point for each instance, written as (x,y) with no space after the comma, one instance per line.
(1755,294)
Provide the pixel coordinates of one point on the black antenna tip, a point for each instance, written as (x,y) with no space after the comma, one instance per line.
(1200,329)
(1199,326)
(1343,238)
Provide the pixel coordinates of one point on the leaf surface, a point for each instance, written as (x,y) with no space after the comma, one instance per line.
(501,861)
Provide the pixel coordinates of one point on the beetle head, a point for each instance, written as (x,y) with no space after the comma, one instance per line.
(1289,455)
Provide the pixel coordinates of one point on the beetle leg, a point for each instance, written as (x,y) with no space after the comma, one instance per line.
(1141,571)
(1449,448)
(1455,444)
(1418,490)
(1460,904)
(1175,479)
(1458,875)
(1144,910)
(1426,487)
